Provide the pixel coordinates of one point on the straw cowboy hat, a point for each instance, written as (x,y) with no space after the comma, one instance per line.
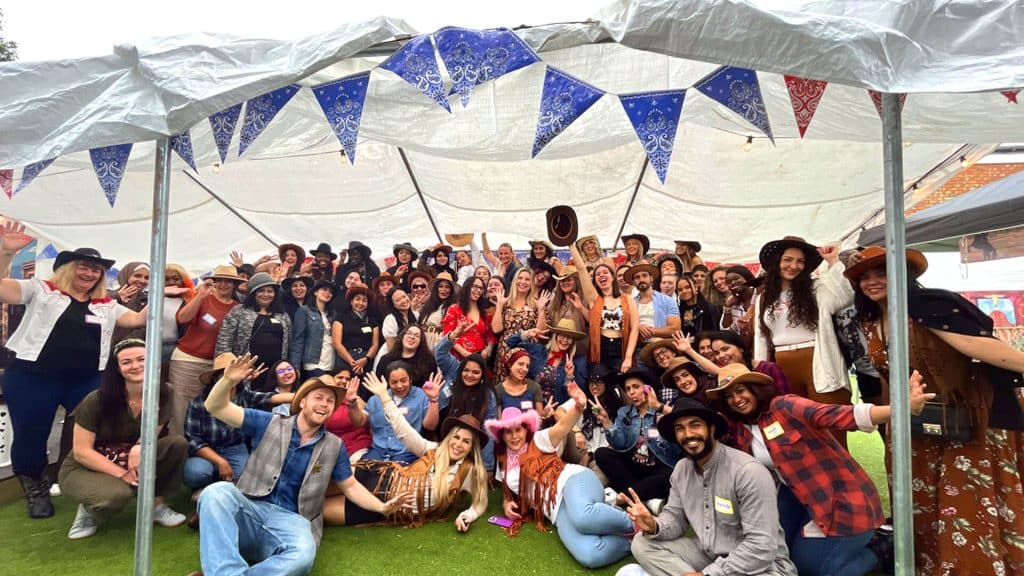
(222,361)
(317,383)
(733,374)
(226,272)
(567,327)
(459,240)
(647,352)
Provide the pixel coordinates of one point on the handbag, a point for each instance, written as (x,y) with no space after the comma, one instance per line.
(940,419)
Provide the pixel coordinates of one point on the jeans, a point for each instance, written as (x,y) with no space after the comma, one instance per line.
(200,472)
(828,556)
(238,531)
(592,531)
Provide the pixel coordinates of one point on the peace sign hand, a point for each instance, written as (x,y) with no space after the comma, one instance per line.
(639,513)
(600,413)
(549,409)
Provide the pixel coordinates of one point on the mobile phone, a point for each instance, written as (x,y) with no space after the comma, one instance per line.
(500,521)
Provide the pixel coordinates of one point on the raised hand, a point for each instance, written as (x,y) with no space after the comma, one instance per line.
(570,369)
(257,371)
(575,300)
(351,390)
(543,299)
(918,397)
(432,387)
(240,368)
(205,288)
(682,342)
(548,410)
(830,253)
(236,258)
(124,293)
(639,513)
(651,396)
(465,323)
(265,258)
(600,413)
(13,237)
(576,393)
(375,385)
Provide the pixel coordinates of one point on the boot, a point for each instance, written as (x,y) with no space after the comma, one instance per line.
(37,494)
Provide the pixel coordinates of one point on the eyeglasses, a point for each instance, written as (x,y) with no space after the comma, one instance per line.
(283,371)
(419,286)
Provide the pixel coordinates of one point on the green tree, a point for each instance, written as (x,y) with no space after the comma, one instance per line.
(8,48)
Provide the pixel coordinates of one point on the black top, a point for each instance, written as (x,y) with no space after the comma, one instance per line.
(357,333)
(699,317)
(267,333)
(74,343)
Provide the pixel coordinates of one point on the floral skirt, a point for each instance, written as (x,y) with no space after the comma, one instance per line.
(969,505)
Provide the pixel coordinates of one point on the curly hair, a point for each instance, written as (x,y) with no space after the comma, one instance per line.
(803,309)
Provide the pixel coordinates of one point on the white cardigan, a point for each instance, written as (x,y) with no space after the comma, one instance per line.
(833,293)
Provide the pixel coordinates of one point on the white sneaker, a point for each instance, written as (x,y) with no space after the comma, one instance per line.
(610,496)
(164,516)
(655,505)
(632,570)
(55,489)
(83,526)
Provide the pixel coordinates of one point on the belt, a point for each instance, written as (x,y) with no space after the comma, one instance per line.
(432,329)
(790,347)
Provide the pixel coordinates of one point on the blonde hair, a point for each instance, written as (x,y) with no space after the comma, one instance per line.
(513,293)
(440,485)
(64,277)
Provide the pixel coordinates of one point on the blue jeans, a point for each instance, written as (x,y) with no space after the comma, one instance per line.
(200,472)
(592,531)
(828,556)
(238,531)
(32,398)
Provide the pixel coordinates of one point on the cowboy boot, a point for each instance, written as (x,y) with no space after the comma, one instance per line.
(37,494)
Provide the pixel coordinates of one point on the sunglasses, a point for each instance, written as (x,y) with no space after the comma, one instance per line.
(282,371)
(419,286)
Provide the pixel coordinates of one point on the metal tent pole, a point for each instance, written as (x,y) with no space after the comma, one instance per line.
(636,189)
(896,298)
(151,386)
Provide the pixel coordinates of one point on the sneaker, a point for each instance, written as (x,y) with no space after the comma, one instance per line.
(83,526)
(610,496)
(55,490)
(164,516)
(632,570)
(655,505)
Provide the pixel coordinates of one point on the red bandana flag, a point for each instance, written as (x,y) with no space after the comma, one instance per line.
(6,182)
(804,94)
(876,98)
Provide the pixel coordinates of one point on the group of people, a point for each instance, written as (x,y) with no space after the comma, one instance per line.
(642,403)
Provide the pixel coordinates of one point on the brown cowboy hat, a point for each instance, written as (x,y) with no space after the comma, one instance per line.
(563,227)
(567,327)
(645,242)
(874,256)
(775,248)
(459,240)
(733,374)
(642,267)
(647,352)
(441,248)
(226,272)
(219,364)
(356,290)
(465,421)
(420,274)
(300,253)
(679,363)
(308,386)
(385,276)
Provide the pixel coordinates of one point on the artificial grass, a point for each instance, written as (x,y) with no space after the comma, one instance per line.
(40,547)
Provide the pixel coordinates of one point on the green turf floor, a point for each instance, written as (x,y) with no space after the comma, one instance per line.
(40,547)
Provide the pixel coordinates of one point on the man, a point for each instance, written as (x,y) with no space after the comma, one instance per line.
(725,495)
(658,314)
(273,516)
(620,276)
(358,260)
(323,262)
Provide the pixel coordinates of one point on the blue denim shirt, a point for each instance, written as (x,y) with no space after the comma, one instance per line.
(664,307)
(626,430)
(414,409)
(307,337)
(293,472)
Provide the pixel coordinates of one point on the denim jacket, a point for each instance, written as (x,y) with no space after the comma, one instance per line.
(307,337)
(626,430)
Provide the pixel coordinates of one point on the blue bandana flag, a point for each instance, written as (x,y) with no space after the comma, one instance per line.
(473,57)
(50,252)
(109,163)
(342,103)
(563,101)
(29,173)
(182,144)
(655,116)
(738,90)
(223,126)
(260,111)
(415,63)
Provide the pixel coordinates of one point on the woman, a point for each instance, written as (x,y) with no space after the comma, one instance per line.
(357,439)
(625,286)
(636,247)
(411,348)
(655,357)
(588,433)
(311,347)
(567,303)
(133,294)
(793,319)
(549,362)
(517,311)
(400,315)
(687,253)
(592,254)
(202,318)
(613,319)
(505,264)
(341,301)
(355,333)
(956,485)
(284,376)
(696,314)
(828,505)
(437,260)
(417,404)
(699,275)
(738,310)
(178,291)
(716,288)
(473,304)
(636,457)
(442,296)
(359,261)
(380,289)
(483,272)
(669,265)
(292,258)
(405,262)
(516,389)
(60,348)
(440,472)
(419,289)
(543,251)
(537,482)
(730,348)
(668,286)
(102,473)
(686,377)
(297,290)
(258,327)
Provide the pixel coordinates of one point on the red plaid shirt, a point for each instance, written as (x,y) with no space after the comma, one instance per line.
(824,477)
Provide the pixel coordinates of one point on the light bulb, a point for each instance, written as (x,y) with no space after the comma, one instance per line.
(341,157)
(749,145)
(216,168)
(963,161)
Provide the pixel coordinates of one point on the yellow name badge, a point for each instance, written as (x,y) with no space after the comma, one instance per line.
(772,431)
(723,505)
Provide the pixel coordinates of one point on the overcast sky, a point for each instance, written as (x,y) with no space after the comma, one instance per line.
(49,30)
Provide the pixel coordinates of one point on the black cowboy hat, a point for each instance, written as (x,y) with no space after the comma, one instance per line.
(307,280)
(405,246)
(775,248)
(689,407)
(641,373)
(325,284)
(563,226)
(693,244)
(324,248)
(356,245)
(87,254)
(645,242)
(542,265)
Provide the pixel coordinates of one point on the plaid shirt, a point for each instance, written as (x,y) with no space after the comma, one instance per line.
(824,477)
(202,430)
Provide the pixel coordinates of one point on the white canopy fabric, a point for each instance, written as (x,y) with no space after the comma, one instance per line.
(473,167)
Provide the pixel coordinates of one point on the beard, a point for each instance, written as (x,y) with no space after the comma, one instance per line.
(709,445)
(643,286)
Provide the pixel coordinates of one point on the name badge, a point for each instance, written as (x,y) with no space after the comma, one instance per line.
(652,433)
(275,321)
(447,392)
(404,410)
(723,505)
(525,405)
(367,329)
(772,431)
(91,319)
(209,319)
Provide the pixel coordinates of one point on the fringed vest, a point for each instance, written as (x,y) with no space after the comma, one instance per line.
(538,484)
(394,479)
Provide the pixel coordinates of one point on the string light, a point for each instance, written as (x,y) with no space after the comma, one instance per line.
(963,161)
(749,145)
(341,156)
(216,168)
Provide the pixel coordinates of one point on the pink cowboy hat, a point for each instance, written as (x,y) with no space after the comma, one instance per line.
(510,417)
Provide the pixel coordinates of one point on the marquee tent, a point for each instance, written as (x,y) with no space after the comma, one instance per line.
(420,170)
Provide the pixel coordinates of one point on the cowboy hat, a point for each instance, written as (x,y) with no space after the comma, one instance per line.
(563,226)
(222,361)
(538,265)
(647,352)
(874,256)
(420,274)
(443,276)
(87,254)
(510,417)
(300,253)
(307,280)
(405,246)
(733,374)
(567,327)
(775,248)
(356,290)
(468,422)
(690,407)
(441,248)
(679,363)
(385,277)
(692,244)
(641,373)
(261,280)
(323,381)
(544,243)
(326,284)
(357,246)
(459,240)
(568,271)
(226,272)
(645,242)
(324,248)
(642,267)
